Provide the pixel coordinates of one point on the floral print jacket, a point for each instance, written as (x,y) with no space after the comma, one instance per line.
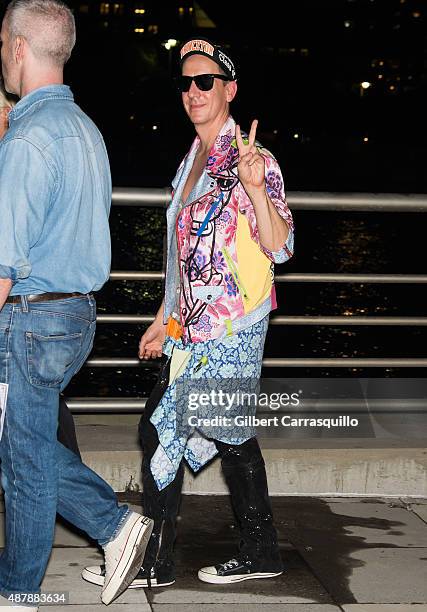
(219,278)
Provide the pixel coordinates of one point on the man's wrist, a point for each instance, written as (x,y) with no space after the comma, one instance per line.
(5,288)
(159,319)
(258,195)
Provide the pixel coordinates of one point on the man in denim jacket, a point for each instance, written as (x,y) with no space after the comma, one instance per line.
(55,196)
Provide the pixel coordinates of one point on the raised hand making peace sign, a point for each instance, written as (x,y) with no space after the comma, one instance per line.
(251,167)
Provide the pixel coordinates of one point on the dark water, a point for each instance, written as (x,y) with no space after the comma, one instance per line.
(325,242)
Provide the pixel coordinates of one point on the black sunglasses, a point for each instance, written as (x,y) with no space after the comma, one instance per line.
(204,82)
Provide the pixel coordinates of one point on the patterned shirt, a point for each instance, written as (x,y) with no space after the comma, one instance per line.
(224,275)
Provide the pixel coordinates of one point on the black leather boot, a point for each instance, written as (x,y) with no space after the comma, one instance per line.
(258,554)
(162,506)
(158,567)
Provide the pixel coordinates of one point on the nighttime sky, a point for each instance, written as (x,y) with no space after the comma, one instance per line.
(301,65)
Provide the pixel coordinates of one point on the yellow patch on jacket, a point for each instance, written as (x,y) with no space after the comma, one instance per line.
(253,266)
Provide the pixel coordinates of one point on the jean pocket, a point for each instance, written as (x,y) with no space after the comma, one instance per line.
(49,357)
(3,339)
(5,318)
(81,311)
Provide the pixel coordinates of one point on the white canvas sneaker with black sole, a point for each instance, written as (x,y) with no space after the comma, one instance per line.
(96,575)
(124,555)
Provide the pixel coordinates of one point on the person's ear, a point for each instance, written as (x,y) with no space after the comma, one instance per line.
(231,90)
(19,49)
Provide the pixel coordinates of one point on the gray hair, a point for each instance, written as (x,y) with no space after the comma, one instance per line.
(47,25)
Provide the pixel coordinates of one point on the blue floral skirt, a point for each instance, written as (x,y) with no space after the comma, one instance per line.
(230,361)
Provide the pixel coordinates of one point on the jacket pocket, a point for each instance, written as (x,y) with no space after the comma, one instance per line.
(207,293)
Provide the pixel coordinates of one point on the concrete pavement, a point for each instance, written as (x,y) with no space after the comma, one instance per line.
(341,555)
(353,533)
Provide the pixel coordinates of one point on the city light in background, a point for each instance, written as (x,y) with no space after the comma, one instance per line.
(169,44)
(339,88)
(343,71)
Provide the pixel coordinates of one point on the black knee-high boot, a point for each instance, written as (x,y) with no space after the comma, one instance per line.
(162,506)
(259,556)
(244,471)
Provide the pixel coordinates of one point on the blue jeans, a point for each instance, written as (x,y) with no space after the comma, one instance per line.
(42,345)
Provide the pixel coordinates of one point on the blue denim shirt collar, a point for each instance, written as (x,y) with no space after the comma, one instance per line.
(42,93)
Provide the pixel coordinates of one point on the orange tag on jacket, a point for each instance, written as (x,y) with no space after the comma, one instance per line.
(173,328)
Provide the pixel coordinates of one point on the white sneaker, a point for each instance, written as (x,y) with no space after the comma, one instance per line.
(5,604)
(124,555)
(236,570)
(96,575)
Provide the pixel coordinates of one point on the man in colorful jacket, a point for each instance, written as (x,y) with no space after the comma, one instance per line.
(227,223)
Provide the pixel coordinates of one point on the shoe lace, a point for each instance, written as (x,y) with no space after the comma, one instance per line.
(230,564)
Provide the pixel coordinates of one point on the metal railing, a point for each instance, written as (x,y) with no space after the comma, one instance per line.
(297,201)
(309,406)
(279,362)
(293,277)
(292,320)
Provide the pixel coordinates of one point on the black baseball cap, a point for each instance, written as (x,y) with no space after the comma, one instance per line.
(202,46)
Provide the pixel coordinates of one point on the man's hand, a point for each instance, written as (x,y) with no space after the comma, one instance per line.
(272,228)
(251,167)
(150,346)
(5,287)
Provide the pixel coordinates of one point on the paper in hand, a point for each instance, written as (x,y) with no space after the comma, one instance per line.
(3,400)
(179,362)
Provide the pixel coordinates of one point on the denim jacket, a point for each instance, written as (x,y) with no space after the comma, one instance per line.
(55,197)
(219,278)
